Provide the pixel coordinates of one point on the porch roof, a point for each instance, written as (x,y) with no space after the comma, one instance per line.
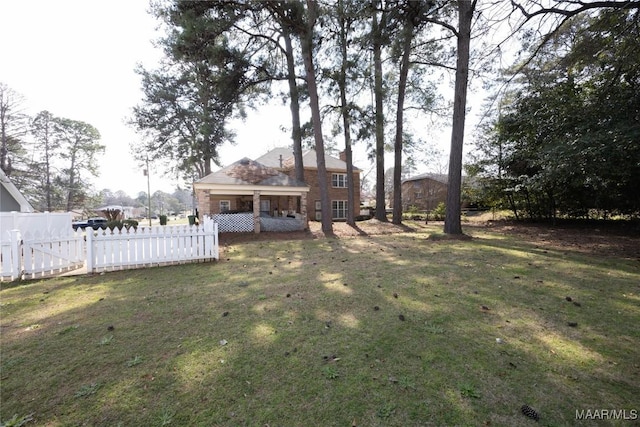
(246,176)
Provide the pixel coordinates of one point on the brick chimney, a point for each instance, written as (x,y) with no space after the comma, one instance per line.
(343,156)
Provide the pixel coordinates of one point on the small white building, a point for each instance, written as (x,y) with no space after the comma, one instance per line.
(11,199)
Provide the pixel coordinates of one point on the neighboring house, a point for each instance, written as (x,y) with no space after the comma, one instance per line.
(11,200)
(424,191)
(428,190)
(282,160)
(249,186)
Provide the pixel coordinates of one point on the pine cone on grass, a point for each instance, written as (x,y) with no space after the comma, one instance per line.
(529,412)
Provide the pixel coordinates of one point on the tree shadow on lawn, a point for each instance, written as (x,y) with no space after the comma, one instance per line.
(313,335)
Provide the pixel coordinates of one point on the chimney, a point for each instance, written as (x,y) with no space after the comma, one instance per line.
(280,161)
(343,156)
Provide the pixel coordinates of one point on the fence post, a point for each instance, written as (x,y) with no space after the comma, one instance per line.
(211,237)
(47,216)
(216,246)
(16,256)
(90,250)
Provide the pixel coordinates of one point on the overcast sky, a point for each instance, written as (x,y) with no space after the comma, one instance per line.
(76,59)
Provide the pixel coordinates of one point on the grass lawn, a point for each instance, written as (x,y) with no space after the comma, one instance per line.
(409,329)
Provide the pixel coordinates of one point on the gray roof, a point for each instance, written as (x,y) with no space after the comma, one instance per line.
(443,178)
(282,157)
(250,172)
(272,158)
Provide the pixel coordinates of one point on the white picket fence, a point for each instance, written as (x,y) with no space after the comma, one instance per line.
(34,254)
(38,254)
(45,254)
(151,246)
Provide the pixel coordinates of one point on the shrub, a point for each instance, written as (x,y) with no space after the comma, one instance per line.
(438,213)
(112,225)
(130,223)
(127,224)
(413,210)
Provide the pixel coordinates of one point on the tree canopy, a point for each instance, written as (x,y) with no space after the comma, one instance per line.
(49,158)
(569,114)
(567,139)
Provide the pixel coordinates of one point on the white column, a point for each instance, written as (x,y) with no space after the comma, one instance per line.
(256,211)
(303,208)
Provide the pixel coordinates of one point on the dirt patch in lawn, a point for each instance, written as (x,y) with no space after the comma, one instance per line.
(606,239)
(340,229)
(599,239)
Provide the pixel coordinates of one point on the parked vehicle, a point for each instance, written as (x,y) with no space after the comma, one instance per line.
(94,223)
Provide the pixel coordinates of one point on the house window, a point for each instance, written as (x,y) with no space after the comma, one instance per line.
(225,205)
(339,180)
(339,209)
(265,206)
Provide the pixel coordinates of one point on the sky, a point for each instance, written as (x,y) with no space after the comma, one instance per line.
(76,59)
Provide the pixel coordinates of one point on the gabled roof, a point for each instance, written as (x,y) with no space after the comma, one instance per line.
(282,157)
(12,191)
(250,173)
(443,178)
(274,157)
(439,177)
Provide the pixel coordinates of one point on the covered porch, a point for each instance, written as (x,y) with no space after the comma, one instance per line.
(259,211)
(248,196)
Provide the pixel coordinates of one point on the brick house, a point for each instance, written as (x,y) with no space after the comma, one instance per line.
(249,186)
(428,190)
(282,159)
(424,191)
(267,187)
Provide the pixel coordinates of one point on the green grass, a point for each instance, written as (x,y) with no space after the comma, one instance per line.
(287,333)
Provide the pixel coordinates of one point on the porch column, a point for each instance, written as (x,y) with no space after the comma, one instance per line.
(256,211)
(203,203)
(303,207)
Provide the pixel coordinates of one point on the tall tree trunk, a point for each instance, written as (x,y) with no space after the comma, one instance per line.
(41,128)
(296,132)
(452,224)
(397,147)
(345,119)
(349,160)
(47,167)
(72,180)
(207,165)
(381,212)
(4,138)
(306,41)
